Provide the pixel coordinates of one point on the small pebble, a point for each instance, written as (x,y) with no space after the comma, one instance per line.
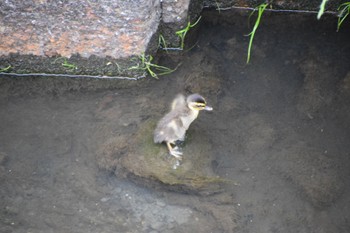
(160,203)
(104,199)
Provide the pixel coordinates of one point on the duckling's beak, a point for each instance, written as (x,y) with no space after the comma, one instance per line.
(208,108)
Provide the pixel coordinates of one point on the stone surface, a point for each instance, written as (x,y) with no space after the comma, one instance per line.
(175,17)
(102,28)
(98,37)
(149,162)
(313,173)
(174,10)
(316,92)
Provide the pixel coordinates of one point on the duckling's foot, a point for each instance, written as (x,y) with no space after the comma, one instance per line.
(176,153)
(178,150)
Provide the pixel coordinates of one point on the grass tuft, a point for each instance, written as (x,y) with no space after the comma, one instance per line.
(68,65)
(144,62)
(5,69)
(65,63)
(162,43)
(343,12)
(182,33)
(261,8)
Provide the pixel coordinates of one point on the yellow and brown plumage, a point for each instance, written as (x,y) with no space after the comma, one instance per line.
(173,126)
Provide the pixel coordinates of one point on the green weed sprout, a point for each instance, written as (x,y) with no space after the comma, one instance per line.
(261,8)
(182,33)
(343,12)
(5,69)
(119,69)
(162,43)
(67,65)
(321,11)
(144,62)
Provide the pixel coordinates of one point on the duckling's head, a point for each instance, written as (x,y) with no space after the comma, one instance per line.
(197,102)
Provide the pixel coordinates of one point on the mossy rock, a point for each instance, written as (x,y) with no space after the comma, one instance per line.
(150,160)
(147,160)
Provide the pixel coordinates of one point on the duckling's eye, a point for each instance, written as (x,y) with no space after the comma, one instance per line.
(200,105)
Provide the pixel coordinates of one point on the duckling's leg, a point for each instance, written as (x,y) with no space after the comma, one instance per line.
(174,152)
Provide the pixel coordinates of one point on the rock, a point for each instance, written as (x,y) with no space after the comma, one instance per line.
(175,17)
(205,83)
(110,152)
(258,134)
(317,88)
(91,37)
(151,162)
(101,28)
(312,172)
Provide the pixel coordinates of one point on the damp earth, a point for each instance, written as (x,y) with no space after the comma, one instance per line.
(274,155)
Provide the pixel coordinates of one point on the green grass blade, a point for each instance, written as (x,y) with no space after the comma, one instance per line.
(144,62)
(5,69)
(162,43)
(183,32)
(322,7)
(261,8)
(343,12)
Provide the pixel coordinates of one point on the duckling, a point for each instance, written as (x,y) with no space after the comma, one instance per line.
(172,127)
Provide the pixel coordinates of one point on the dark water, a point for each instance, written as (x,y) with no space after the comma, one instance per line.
(279,132)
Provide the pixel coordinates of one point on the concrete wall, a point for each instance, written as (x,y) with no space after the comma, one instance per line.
(94,33)
(89,33)
(89,27)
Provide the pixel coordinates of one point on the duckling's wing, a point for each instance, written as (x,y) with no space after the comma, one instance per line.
(178,130)
(178,102)
(169,129)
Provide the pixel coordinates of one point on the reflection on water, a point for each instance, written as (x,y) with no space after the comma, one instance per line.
(279,136)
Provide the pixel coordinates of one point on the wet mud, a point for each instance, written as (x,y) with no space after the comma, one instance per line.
(74,155)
